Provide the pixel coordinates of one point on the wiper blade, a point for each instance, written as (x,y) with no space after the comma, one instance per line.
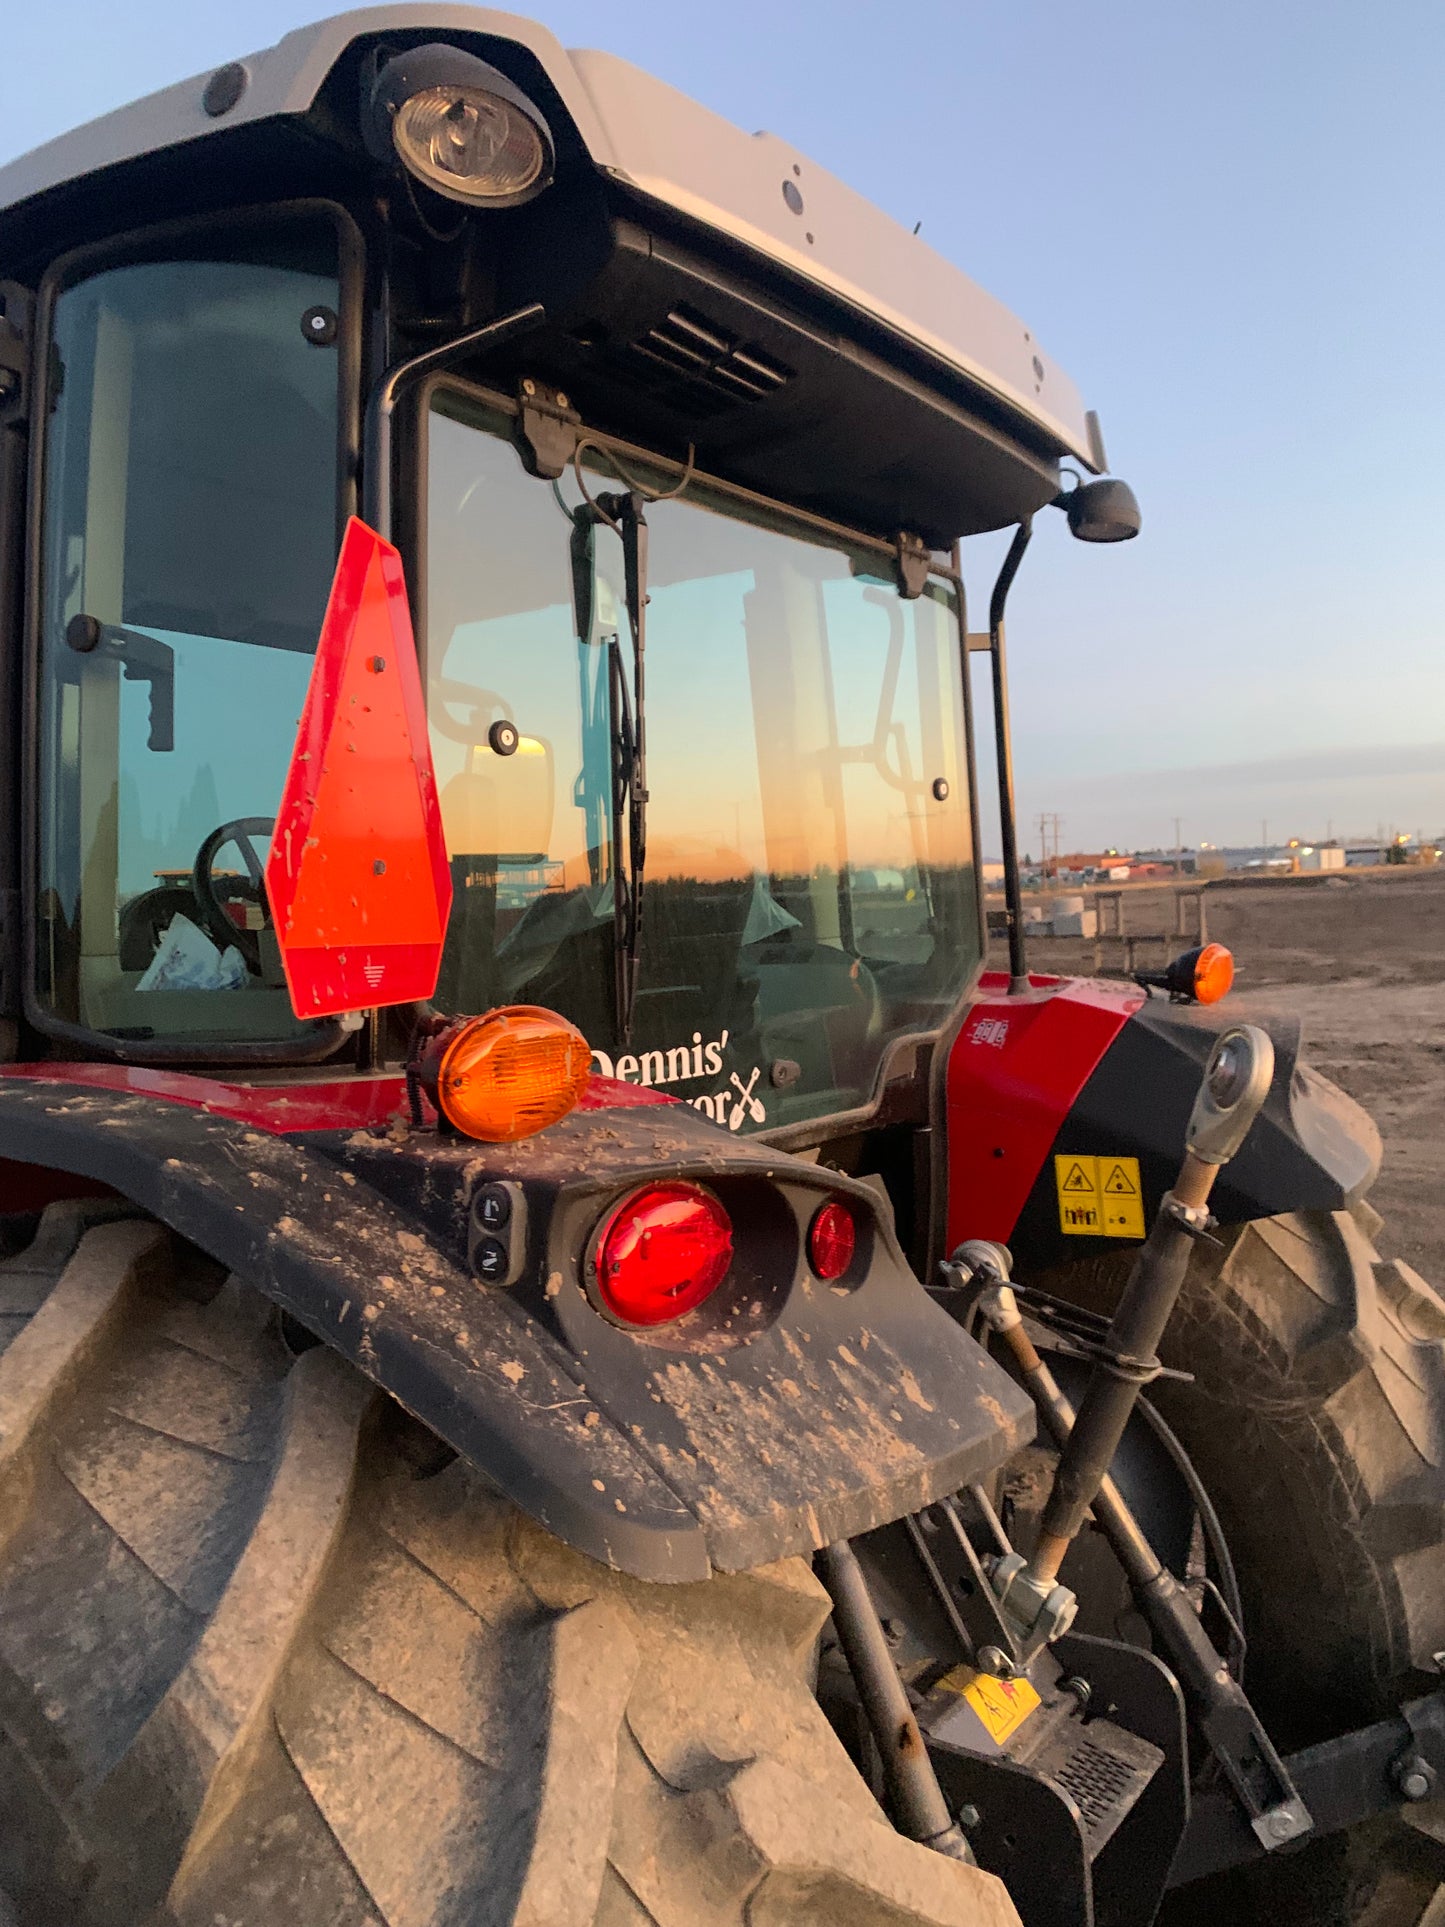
(624,513)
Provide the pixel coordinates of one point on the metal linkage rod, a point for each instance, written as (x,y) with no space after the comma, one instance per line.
(919,1809)
(1236,1082)
(1259,1778)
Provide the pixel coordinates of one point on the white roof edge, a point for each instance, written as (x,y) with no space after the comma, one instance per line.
(666,147)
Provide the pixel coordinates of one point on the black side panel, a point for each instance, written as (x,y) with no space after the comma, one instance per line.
(827,1411)
(15,317)
(1312,1148)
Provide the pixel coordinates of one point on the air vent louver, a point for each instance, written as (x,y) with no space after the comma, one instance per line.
(717,369)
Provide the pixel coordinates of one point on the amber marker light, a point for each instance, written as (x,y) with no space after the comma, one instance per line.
(507,1075)
(1213,973)
(1200,976)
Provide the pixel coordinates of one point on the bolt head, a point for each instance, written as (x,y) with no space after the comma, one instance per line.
(1281,1826)
(968,1816)
(1415,1786)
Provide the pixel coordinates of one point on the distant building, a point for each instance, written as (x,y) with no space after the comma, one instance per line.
(1321,856)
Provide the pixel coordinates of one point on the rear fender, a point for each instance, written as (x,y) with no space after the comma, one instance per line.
(796,1413)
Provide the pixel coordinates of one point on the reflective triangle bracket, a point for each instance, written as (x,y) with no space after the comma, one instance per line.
(357,877)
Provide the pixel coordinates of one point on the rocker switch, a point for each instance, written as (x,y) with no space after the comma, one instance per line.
(497,1234)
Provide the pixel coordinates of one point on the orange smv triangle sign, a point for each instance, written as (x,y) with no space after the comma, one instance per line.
(357,876)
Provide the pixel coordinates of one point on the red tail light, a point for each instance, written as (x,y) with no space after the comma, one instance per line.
(832,1240)
(662,1253)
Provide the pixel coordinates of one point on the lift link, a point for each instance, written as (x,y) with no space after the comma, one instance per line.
(1228,1722)
(1235,1084)
(916,1799)
(1236,1081)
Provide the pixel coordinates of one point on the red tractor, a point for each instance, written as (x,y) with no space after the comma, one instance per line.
(567,1357)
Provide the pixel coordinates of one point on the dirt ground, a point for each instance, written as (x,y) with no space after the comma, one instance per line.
(1360,959)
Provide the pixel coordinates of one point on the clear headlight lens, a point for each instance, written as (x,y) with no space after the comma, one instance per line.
(469,144)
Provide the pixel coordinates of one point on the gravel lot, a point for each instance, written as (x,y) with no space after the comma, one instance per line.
(1360,959)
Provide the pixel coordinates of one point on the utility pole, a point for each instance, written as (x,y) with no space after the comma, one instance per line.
(1045,821)
(1264,836)
(1049,820)
(1178,844)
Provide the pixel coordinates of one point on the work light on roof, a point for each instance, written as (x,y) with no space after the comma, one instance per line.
(460,127)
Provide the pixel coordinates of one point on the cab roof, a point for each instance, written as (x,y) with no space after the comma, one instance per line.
(667,149)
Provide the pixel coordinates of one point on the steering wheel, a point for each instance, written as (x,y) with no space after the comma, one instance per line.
(251,889)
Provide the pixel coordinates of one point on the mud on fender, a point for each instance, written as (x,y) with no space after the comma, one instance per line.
(796,1412)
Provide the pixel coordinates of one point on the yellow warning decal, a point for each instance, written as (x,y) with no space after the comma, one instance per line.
(1002,1704)
(1099,1197)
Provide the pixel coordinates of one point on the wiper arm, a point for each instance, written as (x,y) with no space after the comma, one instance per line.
(629,789)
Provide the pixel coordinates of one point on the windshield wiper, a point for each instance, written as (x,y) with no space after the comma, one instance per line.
(624,513)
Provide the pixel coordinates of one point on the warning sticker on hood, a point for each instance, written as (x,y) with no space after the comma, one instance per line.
(1099,1197)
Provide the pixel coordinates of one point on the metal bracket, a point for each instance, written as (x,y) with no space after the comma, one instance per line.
(16,309)
(548,429)
(914,565)
(955,1571)
(1038,1613)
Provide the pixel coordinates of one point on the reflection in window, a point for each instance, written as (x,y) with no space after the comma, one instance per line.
(190,515)
(809,892)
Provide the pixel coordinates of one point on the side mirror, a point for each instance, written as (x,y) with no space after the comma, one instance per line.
(1104,511)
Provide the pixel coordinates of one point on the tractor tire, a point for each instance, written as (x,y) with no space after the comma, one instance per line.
(1317,1421)
(268,1653)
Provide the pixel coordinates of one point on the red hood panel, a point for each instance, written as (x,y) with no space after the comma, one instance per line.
(1014,1073)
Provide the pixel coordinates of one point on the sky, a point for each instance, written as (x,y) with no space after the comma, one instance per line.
(1225,222)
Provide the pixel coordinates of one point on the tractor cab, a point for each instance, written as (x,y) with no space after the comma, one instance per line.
(420,1406)
(677,495)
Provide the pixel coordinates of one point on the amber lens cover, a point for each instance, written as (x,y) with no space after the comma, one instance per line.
(511,1073)
(1213,973)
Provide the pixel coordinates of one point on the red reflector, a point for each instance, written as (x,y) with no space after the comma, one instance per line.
(664,1251)
(832,1239)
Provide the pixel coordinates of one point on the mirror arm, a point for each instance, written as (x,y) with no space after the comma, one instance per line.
(1003,743)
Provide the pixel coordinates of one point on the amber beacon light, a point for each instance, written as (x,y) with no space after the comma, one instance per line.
(1200,976)
(507,1075)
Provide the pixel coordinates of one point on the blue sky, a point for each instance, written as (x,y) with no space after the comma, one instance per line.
(1226,222)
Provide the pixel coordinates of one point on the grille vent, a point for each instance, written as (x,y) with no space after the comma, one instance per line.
(1098,1781)
(712,367)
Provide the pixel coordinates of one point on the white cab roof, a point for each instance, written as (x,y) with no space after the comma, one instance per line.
(667,148)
